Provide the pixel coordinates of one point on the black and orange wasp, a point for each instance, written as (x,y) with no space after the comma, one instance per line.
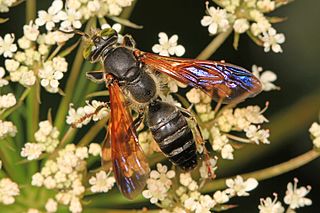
(129,74)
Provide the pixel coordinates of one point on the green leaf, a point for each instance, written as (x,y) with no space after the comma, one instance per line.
(126,22)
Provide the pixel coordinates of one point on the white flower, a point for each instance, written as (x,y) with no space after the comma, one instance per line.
(47,135)
(8,190)
(51,206)
(31,31)
(186,180)
(266,78)
(238,187)
(241,25)
(217,20)
(315,129)
(75,205)
(32,150)
(315,132)
(220,197)
(101,182)
(168,46)
(271,39)
(227,152)
(95,149)
(37,179)
(7,46)
(270,206)
(70,19)
(3,82)
(7,101)
(7,129)
(82,152)
(158,184)
(266,5)
(257,135)
(51,17)
(24,43)
(295,197)
(51,73)
(5,4)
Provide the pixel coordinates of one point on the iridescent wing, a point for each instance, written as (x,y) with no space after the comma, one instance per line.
(130,166)
(217,79)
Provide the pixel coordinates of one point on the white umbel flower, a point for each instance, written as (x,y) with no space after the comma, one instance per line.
(295,197)
(70,19)
(268,205)
(7,128)
(102,182)
(272,40)
(266,78)
(168,46)
(241,25)
(4,5)
(7,101)
(8,190)
(7,46)
(315,132)
(3,82)
(51,206)
(32,150)
(51,17)
(94,149)
(31,31)
(239,187)
(217,20)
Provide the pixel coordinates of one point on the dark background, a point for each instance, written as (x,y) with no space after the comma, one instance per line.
(291,110)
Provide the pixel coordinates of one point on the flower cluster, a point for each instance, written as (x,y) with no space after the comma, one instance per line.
(294,198)
(159,184)
(189,199)
(315,133)
(46,141)
(245,16)
(102,182)
(4,5)
(217,127)
(95,111)
(8,190)
(65,174)
(7,101)
(52,72)
(7,129)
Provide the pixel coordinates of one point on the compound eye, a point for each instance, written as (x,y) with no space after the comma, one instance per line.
(108,32)
(87,50)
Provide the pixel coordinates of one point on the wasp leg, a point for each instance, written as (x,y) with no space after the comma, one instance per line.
(137,121)
(199,139)
(128,41)
(97,76)
(83,118)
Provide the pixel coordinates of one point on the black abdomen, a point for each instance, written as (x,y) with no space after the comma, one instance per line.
(171,131)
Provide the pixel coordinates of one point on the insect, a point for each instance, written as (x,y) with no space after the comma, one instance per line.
(129,75)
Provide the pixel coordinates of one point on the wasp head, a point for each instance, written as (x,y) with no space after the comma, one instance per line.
(98,43)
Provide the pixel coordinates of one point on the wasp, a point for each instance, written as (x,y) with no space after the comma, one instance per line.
(129,74)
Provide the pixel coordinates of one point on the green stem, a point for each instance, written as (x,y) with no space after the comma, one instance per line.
(267,172)
(30,10)
(92,133)
(214,44)
(72,80)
